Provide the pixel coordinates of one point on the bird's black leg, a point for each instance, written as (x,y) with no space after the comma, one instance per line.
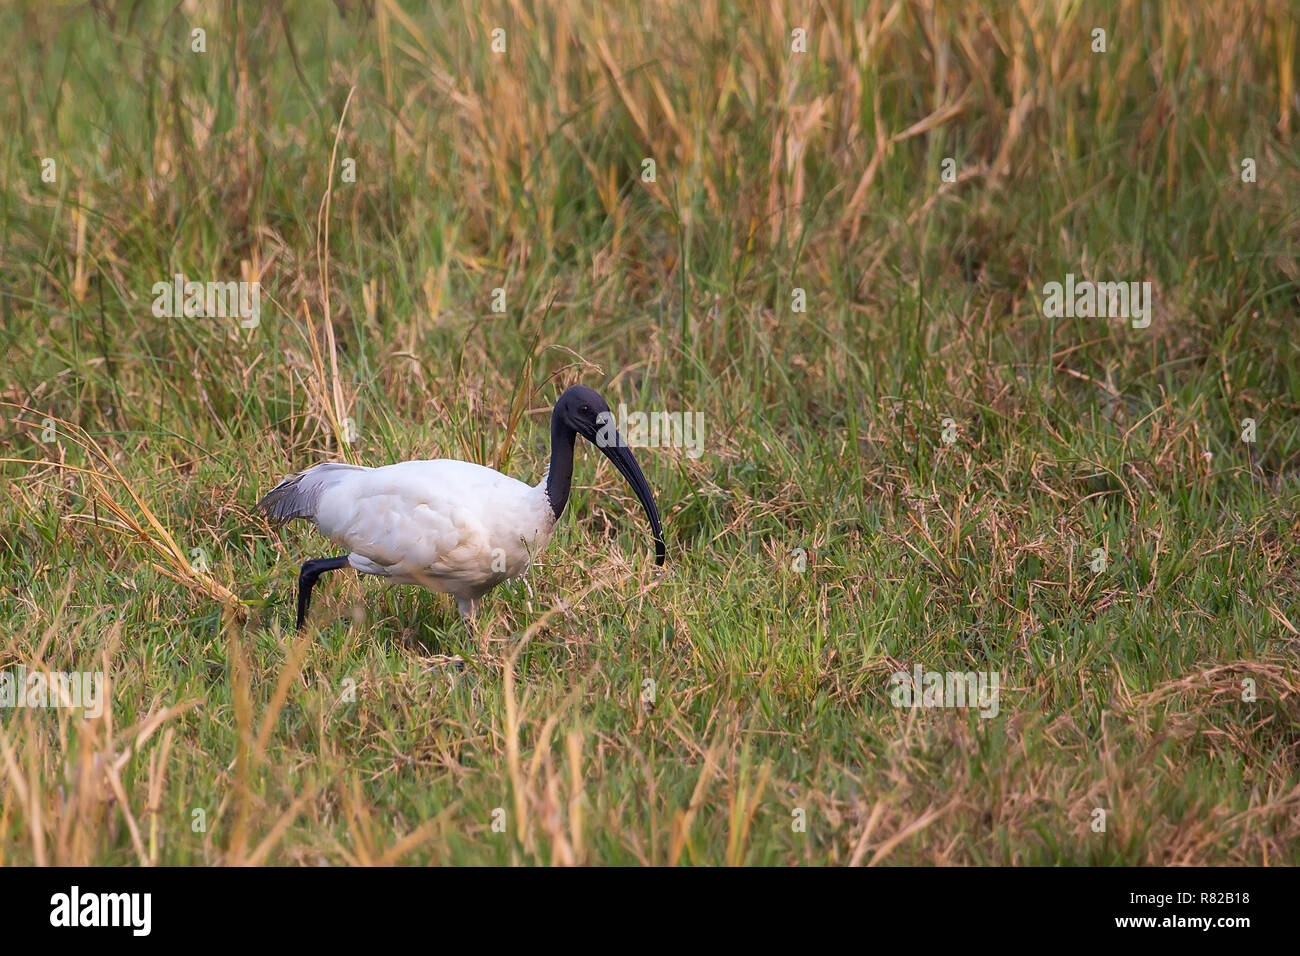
(311,570)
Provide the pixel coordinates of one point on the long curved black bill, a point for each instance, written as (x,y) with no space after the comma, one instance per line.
(622,458)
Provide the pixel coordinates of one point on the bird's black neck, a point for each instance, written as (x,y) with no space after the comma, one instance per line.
(559,476)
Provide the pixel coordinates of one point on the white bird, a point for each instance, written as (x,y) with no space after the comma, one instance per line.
(447,525)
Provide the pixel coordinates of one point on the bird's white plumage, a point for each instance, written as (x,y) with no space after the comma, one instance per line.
(451,526)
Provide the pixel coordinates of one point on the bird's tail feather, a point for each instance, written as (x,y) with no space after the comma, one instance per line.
(299,495)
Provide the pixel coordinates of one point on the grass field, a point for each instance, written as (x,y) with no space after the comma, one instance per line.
(925,466)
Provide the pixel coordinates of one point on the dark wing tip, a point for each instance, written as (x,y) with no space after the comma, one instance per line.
(278,503)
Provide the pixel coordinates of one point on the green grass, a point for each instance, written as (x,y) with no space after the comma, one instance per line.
(827,537)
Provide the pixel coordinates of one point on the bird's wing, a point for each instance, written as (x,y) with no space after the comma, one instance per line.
(299,495)
(415,519)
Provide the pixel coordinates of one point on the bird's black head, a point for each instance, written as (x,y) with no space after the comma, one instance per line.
(583,411)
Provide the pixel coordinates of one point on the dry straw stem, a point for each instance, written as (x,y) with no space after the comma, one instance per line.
(334,405)
(251,752)
(148,530)
(72,810)
(1224,680)
(916,826)
(682,819)
(524,789)
(744,804)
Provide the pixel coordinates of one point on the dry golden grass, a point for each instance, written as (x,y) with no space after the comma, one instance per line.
(364,742)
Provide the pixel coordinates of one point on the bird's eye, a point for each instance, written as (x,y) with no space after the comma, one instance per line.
(585,408)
